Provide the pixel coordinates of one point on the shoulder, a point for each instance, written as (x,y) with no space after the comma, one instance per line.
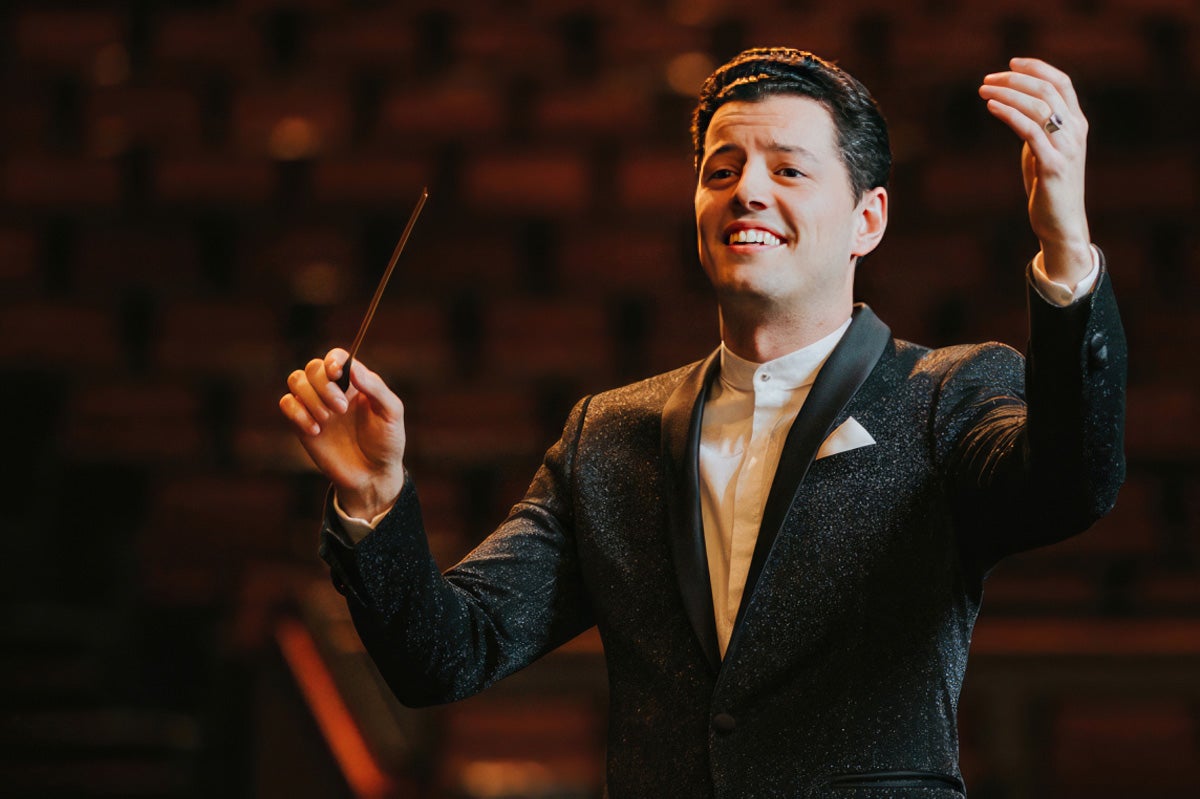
(632,415)
(989,362)
(649,394)
(947,377)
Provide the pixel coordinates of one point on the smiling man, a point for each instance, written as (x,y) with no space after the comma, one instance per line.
(781,223)
(784,545)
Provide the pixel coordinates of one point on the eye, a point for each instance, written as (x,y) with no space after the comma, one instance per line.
(723,173)
(789,172)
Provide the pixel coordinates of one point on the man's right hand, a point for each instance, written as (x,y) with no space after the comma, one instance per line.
(355,438)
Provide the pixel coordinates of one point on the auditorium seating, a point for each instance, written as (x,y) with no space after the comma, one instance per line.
(198,197)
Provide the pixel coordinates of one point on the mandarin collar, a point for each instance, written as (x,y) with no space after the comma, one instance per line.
(787,372)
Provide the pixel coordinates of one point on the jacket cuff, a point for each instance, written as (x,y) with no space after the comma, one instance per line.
(342,550)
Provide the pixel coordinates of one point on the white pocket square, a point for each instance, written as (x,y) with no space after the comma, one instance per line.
(847,436)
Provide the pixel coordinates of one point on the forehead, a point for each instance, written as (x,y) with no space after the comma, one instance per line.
(777,120)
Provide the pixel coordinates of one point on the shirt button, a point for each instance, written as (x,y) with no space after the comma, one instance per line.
(724,723)
(764,377)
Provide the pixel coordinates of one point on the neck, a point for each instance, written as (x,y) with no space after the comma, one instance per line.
(760,339)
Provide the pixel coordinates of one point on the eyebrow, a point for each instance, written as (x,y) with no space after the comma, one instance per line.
(774,147)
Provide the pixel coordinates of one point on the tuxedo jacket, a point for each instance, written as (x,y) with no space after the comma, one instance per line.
(843,672)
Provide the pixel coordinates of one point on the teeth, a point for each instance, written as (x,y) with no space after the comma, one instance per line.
(753,236)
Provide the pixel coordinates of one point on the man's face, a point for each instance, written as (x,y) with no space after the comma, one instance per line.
(777,222)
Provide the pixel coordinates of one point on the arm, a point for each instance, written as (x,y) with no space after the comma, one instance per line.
(435,638)
(1022,474)
(1032,451)
(517,596)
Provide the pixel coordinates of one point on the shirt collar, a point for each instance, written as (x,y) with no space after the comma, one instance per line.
(791,371)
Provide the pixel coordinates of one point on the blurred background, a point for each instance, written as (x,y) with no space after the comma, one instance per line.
(196,197)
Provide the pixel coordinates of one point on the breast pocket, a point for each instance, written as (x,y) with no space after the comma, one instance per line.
(890,785)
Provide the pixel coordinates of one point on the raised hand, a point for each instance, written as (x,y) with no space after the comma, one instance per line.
(356,438)
(1039,103)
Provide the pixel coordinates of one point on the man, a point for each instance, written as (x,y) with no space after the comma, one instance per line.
(783,546)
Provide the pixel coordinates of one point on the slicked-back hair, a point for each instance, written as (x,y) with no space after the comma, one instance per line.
(862,134)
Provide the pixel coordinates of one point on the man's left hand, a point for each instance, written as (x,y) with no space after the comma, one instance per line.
(1039,103)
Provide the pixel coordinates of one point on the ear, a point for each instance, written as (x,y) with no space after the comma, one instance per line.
(871,221)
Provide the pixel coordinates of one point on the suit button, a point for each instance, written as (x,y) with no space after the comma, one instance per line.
(1097,351)
(724,723)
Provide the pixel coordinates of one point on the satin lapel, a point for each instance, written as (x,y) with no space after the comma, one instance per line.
(845,370)
(681,466)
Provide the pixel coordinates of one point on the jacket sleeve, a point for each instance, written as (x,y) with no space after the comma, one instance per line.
(438,638)
(1033,453)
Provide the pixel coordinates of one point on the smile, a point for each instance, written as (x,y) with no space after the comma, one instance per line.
(754,236)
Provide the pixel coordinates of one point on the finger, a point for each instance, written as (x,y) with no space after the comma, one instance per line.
(298,415)
(1049,159)
(1028,85)
(383,400)
(304,393)
(1022,124)
(1052,75)
(1037,88)
(327,390)
(1037,109)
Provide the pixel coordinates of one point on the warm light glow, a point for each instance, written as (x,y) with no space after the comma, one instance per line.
(694,12)
(317,283)
(337,726)
(294,138)
(500,778)
(686,72)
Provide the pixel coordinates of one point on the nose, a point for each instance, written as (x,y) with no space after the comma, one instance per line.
(753,189)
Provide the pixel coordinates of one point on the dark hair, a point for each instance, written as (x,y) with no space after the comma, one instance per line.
(768,71)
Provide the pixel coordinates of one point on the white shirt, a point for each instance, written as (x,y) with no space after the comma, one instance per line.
(747,416)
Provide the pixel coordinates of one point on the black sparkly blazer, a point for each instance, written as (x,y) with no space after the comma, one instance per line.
(843,673)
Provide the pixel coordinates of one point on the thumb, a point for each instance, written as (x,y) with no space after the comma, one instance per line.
(1028,168)
(383,400)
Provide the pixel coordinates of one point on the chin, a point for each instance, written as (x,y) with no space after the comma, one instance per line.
(745,291)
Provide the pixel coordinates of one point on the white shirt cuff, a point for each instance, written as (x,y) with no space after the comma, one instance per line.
(356,528)
(1061,294)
